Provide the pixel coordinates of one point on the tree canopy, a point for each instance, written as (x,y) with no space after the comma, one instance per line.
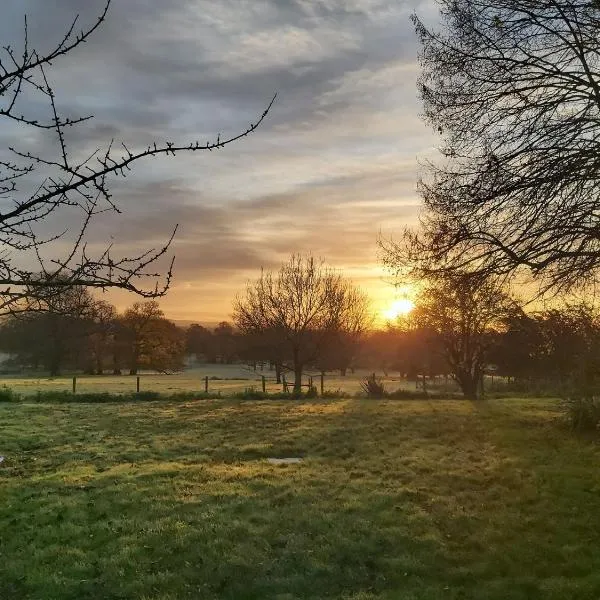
(301,309)
(513,88)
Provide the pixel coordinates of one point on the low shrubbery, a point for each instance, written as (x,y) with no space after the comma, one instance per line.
(7,395)
(373,387)
(582,412)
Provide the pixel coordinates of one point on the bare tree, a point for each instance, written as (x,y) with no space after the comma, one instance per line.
(513,87)
(303,306)
(35,188)
(461,312)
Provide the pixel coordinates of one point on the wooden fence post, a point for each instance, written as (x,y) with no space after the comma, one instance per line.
(74,384)
(137,384)
(206,385)
(322,382)
(264,385)
(284,383)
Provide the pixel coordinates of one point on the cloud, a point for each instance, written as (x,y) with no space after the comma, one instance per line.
(333,165)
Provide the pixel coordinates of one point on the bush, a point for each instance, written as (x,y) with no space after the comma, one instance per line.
(583,412)
(373,387)
(7,395)
(311,392)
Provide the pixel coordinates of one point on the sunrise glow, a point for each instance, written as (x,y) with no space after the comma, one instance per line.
(398,308)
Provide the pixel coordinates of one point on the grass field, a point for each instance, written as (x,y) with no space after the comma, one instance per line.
(226,379)
(394,499)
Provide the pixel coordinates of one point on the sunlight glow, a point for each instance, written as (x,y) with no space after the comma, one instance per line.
(398,308)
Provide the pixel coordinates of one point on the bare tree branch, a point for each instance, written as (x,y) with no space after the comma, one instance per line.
(67,185)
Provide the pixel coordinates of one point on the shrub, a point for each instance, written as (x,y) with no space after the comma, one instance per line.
(373,387)
(583,412)
(7,395)
(311,392)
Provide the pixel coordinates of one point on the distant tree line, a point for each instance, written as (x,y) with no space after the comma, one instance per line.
(306,316)
(75,331)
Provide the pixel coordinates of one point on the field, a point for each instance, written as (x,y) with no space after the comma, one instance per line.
(225,379)
(394,499)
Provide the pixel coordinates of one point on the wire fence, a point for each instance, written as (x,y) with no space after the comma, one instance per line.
(222,379)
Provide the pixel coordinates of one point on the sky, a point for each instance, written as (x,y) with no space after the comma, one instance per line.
(333,167)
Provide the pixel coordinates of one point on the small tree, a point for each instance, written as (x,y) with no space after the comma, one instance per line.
(462,311)
(303,305)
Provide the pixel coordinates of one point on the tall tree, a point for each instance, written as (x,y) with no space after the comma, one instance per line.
(39,189)
(462,312)
(150,340)
(305,303)
(103,328)
(513,87)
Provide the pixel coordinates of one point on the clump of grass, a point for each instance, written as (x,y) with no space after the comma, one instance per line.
(583,412)
(373,387)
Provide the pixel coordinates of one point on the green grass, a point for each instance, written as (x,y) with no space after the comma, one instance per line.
(395,499)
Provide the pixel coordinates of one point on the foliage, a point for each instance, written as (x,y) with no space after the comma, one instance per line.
(8,395)
(583,412)
(77,332)
(150,340)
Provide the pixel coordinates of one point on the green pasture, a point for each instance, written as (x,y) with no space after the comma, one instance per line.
(226,379)
(393,500)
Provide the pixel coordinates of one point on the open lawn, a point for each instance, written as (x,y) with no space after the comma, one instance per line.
(394,499)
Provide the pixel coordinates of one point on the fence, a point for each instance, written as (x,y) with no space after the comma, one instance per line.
(225,379)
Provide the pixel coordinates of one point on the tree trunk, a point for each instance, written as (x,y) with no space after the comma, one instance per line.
(468,384)
(298,368)
(278,372)
(343,371)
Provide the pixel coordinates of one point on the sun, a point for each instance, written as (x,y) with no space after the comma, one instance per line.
(399,308)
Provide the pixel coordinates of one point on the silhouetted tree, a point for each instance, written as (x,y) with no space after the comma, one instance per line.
(225,343)
(52,338)
(199,342)
(149,340)
(462,311)
(305,304)
(102,318)
(64,185)
(514,89)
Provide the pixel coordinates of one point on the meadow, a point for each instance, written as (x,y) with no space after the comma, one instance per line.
(225,379)
(393,499)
